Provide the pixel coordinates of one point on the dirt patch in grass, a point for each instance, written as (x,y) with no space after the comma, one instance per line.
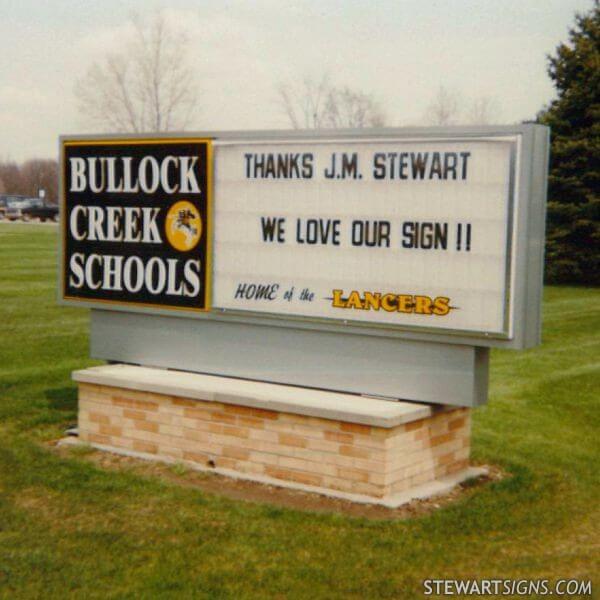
(251,491)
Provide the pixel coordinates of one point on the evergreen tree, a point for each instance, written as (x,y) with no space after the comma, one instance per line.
(573,225)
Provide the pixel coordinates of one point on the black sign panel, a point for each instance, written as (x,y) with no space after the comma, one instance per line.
(135,221)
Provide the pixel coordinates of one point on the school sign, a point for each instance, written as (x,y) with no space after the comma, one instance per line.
(382,262)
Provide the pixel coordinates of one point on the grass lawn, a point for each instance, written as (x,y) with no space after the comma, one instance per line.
(70,528)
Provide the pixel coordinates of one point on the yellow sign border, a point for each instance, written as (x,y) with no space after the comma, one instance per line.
(209,217)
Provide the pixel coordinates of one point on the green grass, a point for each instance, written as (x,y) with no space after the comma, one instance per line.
(70,528)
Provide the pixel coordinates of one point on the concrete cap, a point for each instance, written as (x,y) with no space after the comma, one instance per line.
(283,398)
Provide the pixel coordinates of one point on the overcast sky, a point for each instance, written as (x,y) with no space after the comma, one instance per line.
(401,51)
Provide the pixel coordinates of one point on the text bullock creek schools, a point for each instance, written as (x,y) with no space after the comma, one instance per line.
(135,222)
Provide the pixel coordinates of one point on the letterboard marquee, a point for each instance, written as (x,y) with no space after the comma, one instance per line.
(434,233)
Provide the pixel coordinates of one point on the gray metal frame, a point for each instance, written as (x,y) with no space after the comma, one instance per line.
(524,277)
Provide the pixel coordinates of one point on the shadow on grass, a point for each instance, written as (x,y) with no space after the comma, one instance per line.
(64,398)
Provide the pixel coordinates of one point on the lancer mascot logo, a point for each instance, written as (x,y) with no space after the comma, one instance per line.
(183,226)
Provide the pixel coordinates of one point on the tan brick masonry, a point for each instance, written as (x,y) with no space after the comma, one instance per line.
(326,453)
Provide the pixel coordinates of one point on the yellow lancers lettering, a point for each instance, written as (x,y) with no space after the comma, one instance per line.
(403,303)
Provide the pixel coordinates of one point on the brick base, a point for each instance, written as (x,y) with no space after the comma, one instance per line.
(367,460)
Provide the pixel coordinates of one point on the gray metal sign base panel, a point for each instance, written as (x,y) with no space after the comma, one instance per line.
(387,367)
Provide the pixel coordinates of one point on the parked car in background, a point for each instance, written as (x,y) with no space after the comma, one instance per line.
(5,199)
(15,207)
(42,211)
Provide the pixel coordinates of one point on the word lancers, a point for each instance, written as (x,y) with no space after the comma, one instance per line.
(403,303)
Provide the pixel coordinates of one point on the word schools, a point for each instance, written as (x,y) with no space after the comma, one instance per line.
(154,276)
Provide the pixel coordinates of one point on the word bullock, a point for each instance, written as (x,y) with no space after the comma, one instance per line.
(122,174)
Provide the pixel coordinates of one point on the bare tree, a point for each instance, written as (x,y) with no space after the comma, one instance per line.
(30,177)
(444,109)
(147,86)
(304,103)
(349,108)
(40,174)
(314,103)
(10,174)
(483,111)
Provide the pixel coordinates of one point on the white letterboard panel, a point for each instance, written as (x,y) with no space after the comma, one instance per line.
(400,233)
